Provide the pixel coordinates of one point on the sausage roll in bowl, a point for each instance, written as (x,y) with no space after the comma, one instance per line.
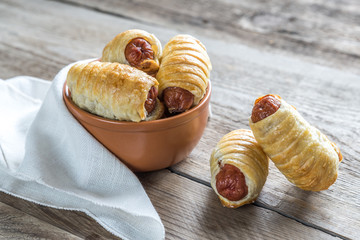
(114,91)
(136,48)
(239,168)
(184,73)
(301,152)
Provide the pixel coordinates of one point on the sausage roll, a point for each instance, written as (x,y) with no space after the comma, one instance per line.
(301,152)
(136,48)
(114,91)
(239,168)
(184,73)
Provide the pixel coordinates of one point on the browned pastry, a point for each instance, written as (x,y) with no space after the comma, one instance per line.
(135,47)
(301,152)
(239,168)
(114,91)
(184,73)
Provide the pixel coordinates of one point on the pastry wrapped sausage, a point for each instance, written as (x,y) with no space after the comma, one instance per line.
(184,73)
(136,48)
(239,168)
(301,152)
(114,91)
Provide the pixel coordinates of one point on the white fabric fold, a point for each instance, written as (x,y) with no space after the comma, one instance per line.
(48,158)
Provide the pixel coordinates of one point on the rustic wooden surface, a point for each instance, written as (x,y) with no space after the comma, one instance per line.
(308,52)
(15,224)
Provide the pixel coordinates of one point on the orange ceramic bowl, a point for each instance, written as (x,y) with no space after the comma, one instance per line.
(147,146)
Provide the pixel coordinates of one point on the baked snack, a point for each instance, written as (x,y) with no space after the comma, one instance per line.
(301,152)
(239,168)
(114,91)
(136,48)
(184,73)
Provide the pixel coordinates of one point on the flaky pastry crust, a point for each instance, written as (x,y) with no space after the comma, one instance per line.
(301,152)
(114,51)
(185,64)
(111,90)
(240,149)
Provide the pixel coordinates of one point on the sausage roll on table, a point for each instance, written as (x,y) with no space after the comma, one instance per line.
(184,73)
(136,48)
(114,91)
(239,168)
(301,152)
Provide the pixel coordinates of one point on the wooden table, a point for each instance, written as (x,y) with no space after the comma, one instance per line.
(308,52)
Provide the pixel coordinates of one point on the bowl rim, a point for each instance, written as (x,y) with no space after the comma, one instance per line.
(143,126)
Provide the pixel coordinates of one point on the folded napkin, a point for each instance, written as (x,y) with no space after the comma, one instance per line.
(48,158)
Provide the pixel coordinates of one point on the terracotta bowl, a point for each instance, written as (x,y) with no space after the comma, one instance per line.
(147,146)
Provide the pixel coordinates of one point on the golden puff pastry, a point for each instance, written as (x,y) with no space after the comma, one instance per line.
(136,48)
(184,73)
(114,91)
(239,168)
(300,151)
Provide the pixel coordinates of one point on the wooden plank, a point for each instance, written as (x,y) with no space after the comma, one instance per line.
(72,33)
(326,98)
(35,43)
(18,62)
(76,223)
(15,224)
(321,31)
(190,210)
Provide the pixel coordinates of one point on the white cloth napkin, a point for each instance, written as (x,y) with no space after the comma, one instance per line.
(48,158)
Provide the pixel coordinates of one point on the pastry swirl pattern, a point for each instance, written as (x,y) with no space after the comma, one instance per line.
(185,64)
(300,151)
(111,90)
(240,150)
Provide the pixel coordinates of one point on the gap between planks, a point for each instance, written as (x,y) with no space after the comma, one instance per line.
(261,205)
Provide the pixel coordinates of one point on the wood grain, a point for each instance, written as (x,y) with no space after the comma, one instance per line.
(76,223)
(191,211)
(321,31)
(15,224)
(337,208)
(40,37)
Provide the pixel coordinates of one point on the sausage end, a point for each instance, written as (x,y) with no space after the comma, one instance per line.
(177,99)
(231,183)
(150,102)
(264,107)
(138,50)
